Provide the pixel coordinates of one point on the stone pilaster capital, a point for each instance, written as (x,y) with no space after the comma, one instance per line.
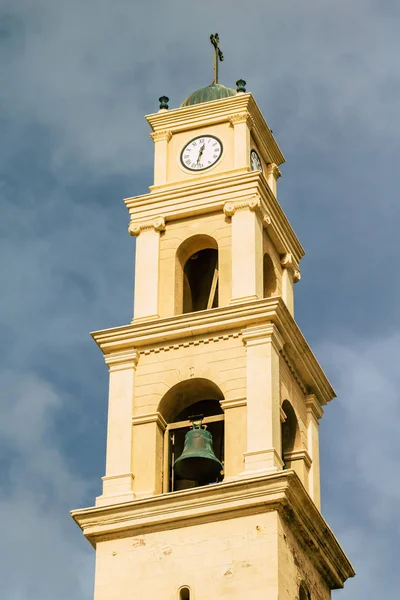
(150,418)
(242,117)
(161,136)
(135,228)
(263,334)
(120,361)
(314,408)
(232,403)
(288,262)
(272,169)
(253,203)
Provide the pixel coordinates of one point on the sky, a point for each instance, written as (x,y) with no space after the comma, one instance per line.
(77,79)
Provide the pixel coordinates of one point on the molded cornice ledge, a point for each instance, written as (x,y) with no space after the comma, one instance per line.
(217,321)
(282,492)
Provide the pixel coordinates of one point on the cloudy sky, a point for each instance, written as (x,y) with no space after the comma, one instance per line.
(77,78)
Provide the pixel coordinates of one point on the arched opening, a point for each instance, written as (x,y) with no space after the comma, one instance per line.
(270,281)
(304,594)
(184,593)
(200,285)
(197,274)
(192,397)
(290,433)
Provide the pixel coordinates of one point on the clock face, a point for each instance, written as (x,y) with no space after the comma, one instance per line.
(255,161)
(201,153)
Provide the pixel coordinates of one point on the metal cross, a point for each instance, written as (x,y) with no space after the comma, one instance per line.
(214,37)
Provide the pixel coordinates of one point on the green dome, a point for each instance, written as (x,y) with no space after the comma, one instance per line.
(215,91)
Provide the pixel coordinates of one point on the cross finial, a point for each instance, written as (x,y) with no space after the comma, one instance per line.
(214,37)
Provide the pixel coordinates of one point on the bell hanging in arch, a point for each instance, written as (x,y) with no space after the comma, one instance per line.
(198,461)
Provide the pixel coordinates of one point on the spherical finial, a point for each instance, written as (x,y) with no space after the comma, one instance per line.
(240,85)
(164,102)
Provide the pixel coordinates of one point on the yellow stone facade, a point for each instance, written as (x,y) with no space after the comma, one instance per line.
(259,530)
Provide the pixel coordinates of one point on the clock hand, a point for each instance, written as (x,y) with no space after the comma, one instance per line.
(200,153)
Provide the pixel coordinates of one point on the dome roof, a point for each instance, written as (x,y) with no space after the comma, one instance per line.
(215,91)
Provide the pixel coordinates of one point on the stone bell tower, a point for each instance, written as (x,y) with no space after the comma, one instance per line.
(214,335)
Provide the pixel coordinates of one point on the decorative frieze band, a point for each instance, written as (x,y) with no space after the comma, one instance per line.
(136,228)
(253,203)
(191,343)
(161,136)
(242,117)
(287,262)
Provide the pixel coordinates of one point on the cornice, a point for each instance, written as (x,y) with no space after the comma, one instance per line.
(282,492)
(218,322)
(212,195)
(220,111)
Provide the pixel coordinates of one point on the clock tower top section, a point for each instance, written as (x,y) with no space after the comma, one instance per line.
(213,138)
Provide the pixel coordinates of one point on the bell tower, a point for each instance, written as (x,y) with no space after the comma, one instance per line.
(212,486)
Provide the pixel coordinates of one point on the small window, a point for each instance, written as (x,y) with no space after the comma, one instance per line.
(304,594)
(184,593)
(269,277)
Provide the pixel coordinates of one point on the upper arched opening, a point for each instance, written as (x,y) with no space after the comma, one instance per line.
(290,430)
(197,274)
(270,279)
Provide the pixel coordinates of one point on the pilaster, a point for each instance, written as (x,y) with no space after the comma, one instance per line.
(148,453)
(147,267)
(118,479)
(242,123)
(314,413)
(161,140)
(263,399)
(290,276)
(247,246)
(235,445)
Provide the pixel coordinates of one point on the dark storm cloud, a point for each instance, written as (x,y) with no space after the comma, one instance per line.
(77,79)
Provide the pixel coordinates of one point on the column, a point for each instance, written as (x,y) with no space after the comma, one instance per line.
(147,267)
(118,479)
(161,140)
(148,454)
(314,413)
(235,436)
(241,123)
(272,175)
(263,454)
(247,249)
(290,276)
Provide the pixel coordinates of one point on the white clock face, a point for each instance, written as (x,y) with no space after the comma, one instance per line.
(255,161)
(201,153)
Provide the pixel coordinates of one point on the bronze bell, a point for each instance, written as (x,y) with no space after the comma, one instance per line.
(198,461)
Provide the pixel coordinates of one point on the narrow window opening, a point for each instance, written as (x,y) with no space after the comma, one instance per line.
(184,593)
(200,281)
(304,594)
(289,432)
(269,276)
